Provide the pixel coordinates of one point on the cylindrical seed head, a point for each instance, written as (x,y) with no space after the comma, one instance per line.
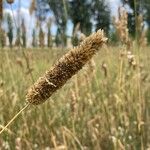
(65,68)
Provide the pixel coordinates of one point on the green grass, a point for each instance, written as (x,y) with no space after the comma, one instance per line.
(92,111)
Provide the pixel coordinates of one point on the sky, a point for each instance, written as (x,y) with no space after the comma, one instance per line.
(30,21)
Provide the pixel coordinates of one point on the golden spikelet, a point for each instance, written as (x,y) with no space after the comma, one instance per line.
(65,68)
(121,25)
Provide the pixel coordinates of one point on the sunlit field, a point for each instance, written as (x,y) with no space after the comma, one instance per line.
(105,106)
(75,75)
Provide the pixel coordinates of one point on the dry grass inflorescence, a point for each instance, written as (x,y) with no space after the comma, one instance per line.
(65,68)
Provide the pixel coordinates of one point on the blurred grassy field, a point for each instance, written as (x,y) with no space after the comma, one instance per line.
(105,106)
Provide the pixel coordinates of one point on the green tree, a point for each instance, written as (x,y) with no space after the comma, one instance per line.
(147,14)
(18,42)
(58,38)
(59,11)
(138,7)
(10,29)
(101,14)
(147,17)
(49,36)
(80,12)
(23,36)
(2,37)
(1,11)
(132,15)
(148,35)
(41,37)
(34,40)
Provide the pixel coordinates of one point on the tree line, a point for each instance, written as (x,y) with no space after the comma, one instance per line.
(85,15)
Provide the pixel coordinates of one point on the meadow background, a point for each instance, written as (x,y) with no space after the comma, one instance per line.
(106,106)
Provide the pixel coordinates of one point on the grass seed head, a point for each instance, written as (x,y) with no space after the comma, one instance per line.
(121,25)
(65,68)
